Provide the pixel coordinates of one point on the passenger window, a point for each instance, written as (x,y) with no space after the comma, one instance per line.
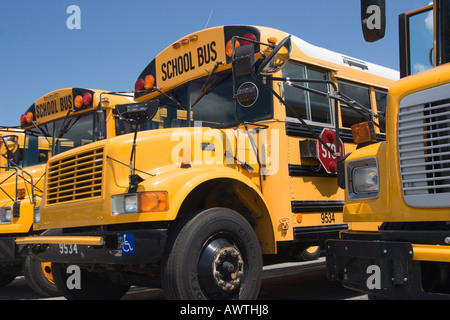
(320,105)
(308,105)
(381,97)
(359,94)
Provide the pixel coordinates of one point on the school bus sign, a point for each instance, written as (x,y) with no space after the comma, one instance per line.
(58,103)
(193,53)
(326,158)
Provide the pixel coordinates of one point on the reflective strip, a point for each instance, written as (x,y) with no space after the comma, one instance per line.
(88,241)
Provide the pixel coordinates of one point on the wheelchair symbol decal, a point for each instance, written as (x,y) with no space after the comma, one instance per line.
(127,243)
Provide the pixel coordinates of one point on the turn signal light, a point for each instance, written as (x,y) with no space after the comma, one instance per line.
(78,102)
(364,132)
(153,201)
(229,47)
(149,82)
(21,193)
(30,117)
(272,40)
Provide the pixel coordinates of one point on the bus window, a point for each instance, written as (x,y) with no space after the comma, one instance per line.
(357,93)
(308,105)
(381,97)
(320,105)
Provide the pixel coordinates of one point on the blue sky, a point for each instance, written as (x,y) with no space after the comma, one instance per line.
(118,38)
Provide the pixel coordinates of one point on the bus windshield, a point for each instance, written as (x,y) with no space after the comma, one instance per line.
(58,136)
(209,102)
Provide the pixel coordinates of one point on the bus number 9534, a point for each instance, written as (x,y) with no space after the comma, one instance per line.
(327,217)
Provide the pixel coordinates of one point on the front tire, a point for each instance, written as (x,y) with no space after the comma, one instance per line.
(216,255)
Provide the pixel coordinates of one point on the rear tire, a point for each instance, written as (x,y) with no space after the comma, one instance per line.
(310,253)
(215,255)
(37,279)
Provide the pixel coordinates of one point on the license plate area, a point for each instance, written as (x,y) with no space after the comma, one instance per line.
(68,249)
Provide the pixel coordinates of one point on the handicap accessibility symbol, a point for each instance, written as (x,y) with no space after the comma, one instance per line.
(127,243)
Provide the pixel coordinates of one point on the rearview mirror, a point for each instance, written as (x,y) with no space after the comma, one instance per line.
(138,113)
(277,59)
(373,19)
(11,144)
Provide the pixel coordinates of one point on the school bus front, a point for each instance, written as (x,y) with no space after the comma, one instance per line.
(219,174)
(58,121)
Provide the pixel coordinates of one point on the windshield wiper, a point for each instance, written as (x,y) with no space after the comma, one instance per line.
(44,134)
(171,98)
(207,89)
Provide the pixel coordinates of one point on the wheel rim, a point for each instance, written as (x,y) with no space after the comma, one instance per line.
(47,271)
(312,249)
(221,269)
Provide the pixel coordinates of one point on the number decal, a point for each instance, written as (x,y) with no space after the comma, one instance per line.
(327,217)
(68,248)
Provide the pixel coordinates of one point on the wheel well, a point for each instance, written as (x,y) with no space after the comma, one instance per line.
(237,196)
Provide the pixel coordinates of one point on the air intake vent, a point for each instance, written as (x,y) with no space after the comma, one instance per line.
(75,177)
(424,149)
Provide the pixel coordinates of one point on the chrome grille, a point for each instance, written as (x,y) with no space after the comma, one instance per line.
(424,148)
(75,177)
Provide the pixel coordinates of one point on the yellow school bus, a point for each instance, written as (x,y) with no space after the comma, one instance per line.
(231,156)
(57,122)
(405,180)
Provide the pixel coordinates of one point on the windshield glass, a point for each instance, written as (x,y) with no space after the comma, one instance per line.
(210,103)
(58,136)
(421,40)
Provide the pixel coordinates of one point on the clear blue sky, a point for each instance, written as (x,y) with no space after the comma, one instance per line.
(118,38)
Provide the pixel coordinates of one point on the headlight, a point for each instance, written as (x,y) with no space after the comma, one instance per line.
(152,201)
(362,179)
(124,204)
(130,203)
(5,215)
(365,180)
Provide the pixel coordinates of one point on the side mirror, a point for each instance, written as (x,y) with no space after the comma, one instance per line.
(373,19)
(277,59)
(11,144)
(138,113)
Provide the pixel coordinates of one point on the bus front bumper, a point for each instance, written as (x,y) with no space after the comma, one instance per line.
(10,252)
(110,247)
(384,268)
